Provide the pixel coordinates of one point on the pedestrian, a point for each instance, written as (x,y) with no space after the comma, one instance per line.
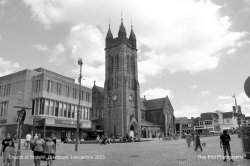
(188,139)
(38,149)
(54,139)
(36,136)
(9,154)
(224,140)
(197,142)
(6,142)
(27,141)
(49,150)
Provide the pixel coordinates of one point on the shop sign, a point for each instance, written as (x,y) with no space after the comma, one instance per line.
(39,121)
(66,122)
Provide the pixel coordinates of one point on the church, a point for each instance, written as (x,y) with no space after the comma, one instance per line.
(118,109)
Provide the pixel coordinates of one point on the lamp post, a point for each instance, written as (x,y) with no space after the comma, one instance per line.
(78,109)
(237,112)
(21,114)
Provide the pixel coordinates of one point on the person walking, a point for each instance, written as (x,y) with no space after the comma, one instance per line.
(188,139)
(9,154)
(5,143)
(197,142)
(49,150)
(27,141)
(224,141)
(38,149)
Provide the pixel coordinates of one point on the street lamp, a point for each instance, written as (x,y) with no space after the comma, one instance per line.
(237,112)
(78,109)
(21,114)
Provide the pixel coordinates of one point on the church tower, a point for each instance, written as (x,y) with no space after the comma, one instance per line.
(121,88)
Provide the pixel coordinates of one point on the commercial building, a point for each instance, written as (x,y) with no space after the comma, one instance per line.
(184,125)
(51,96)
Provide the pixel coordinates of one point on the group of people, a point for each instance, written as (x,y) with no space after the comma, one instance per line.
(224,142)
(42,149)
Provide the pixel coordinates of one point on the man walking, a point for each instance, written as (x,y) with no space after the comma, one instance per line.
(224,140)
(197,142)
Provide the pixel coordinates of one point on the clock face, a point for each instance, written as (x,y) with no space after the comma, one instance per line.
(114,97)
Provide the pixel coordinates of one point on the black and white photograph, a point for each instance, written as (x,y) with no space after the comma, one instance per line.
(124,82)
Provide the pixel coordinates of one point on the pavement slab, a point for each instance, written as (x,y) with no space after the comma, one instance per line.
(148,153)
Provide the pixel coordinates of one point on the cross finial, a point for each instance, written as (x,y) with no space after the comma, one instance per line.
(131,24)
(109,22)
(121,17)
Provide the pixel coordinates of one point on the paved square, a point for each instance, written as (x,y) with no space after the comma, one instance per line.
(149,153)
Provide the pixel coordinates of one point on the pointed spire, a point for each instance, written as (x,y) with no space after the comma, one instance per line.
(109,34)
(122,30)
(132,34)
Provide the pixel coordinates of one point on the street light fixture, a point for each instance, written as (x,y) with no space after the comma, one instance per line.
(21,114)
(237,112)
(78,109)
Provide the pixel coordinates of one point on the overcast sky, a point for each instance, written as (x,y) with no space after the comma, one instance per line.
(194,51)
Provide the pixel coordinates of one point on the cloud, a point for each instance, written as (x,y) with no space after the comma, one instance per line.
(7,67)
(242,100)
(225,97)
(158,93)
(55,55)
(41,47)
(175,35)
(204,93)
(91,74)
(193,86)
(187,111)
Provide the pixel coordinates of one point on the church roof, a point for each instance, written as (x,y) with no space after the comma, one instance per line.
(142,104)
(154,104)
(100,89)
(147,123)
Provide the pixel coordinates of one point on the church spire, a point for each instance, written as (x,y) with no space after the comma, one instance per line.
(122,31)
(132,34)
(109,34)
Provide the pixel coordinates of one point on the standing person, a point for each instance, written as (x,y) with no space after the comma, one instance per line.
(9,154)
(188,139)
(6,142)
(224,140)
(197,142)
(36,136)
(49,150)
(38,149)
(27,142)
(54,139)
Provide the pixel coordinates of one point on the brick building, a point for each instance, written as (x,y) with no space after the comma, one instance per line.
(50,96)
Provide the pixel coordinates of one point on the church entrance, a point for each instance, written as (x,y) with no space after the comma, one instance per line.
(131,132)
(133,129)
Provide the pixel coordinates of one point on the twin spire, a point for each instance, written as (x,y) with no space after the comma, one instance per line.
(122,32)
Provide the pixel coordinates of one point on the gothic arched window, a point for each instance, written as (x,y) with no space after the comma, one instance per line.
(112,65)
(117,62)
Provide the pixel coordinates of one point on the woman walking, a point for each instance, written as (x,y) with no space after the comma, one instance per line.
(38,149)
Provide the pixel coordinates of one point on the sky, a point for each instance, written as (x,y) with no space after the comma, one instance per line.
(196,52)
